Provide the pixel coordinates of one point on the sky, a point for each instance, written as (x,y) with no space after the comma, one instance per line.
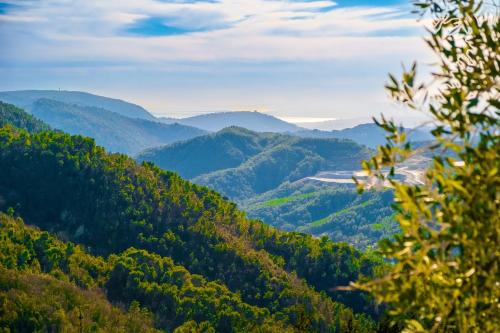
(300,60)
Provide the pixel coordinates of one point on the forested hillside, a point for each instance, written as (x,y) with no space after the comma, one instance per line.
(222,150)
(74,189)
(264,173)
(46,285)
(326,209)
(287,162)
(257,162)
(35,263)
(111,130)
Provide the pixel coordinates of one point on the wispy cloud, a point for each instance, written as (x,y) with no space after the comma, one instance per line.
(290,56)
(202,30)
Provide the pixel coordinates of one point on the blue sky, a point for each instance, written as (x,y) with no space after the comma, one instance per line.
(295,58)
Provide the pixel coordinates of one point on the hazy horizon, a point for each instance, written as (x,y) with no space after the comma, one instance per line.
(296,60)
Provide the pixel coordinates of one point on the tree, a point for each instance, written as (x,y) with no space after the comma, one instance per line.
(444,275)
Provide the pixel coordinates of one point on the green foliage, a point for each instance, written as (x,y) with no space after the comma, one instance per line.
(341,212)
(39,303)
(11,115)
(135,278)
(446,261)
(107,202)
(47,285)
(283,200)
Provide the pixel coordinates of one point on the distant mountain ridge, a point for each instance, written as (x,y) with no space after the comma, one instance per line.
(113,130)
(26,98)
(369,135)
(336,124)
(252,120)
(344,123)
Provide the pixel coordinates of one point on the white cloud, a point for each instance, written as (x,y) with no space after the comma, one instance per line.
(287,57)
(84,30)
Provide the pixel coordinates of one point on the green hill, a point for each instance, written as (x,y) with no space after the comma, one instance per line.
(256,162)
(39,303)
(111,130)
(287,162)
(107,202)
(222,150)
(251,120)
(264,173)
(322,209)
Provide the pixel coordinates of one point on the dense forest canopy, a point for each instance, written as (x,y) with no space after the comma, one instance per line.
(290,161)
(272,175)
(152,288)
(108,203)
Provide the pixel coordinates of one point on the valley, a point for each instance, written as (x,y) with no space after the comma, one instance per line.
(295,169)
(410,172)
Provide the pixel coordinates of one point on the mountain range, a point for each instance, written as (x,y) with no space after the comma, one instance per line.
(113,131)
(116,125)
(251,168)
(252,120)
(25,99)
(139,244)
(257,162)
(98,117)
(369,135)
(268,175)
